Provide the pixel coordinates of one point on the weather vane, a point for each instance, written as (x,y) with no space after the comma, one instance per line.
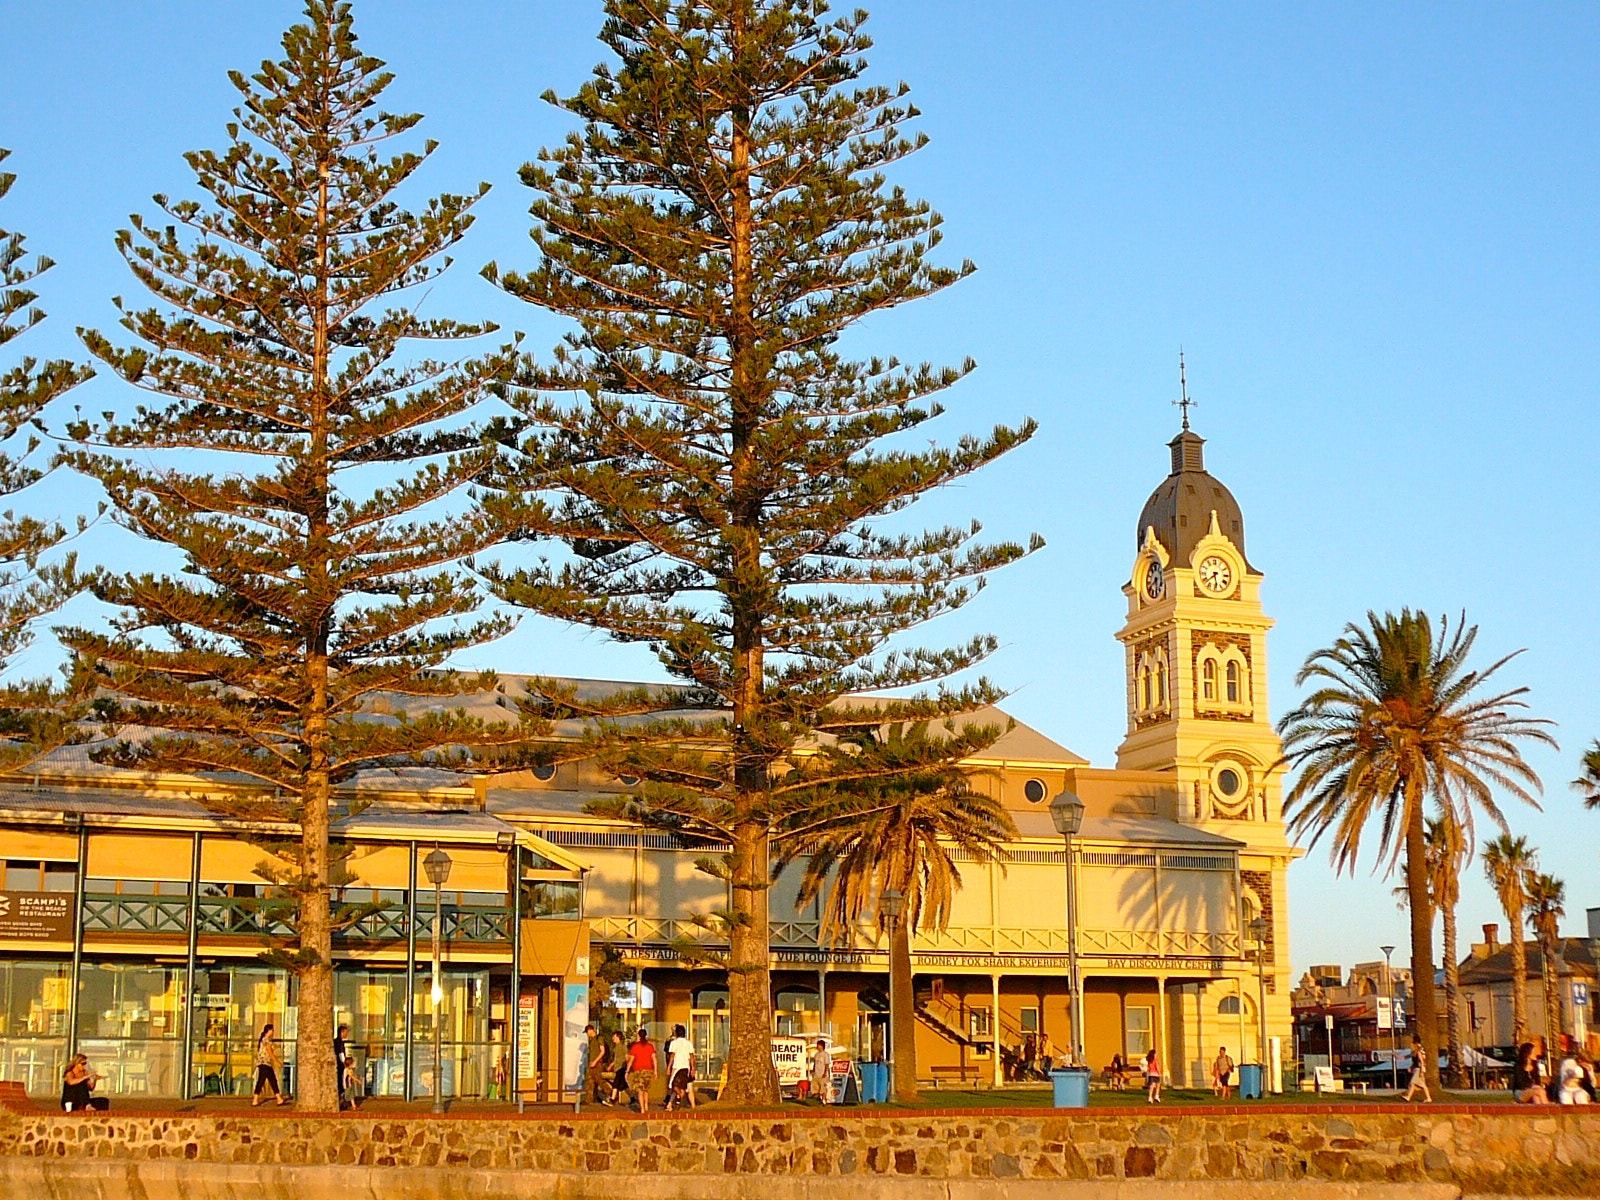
(1183,389)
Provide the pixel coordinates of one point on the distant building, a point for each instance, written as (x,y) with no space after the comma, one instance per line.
(1362,1034)
(1487,987)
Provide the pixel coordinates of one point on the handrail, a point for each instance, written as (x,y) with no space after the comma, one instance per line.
(238,916)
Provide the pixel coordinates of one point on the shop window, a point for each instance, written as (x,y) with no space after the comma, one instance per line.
(1140,1030)
(551,898)
(33,875)
(798,1012)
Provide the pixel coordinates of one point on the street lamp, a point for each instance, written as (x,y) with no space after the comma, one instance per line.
(1066,811)
(1388,986)
(437,865)
(1258,930)
(891,907)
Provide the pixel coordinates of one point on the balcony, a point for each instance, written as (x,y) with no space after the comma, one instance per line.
(1032,940)
(232,917)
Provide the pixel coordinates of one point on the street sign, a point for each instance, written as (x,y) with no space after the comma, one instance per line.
(1385,1013)
(1580,994)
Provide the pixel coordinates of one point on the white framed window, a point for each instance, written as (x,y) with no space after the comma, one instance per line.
(1139,1028)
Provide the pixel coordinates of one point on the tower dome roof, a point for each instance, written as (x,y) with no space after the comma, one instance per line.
(1180,508)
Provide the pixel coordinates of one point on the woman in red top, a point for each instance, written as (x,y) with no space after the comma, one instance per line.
(641,1069)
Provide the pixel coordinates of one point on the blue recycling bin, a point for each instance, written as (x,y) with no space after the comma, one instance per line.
(1070,1087)
(874,1082)
(1250,1075)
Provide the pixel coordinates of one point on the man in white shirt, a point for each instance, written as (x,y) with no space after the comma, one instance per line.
(680,1069)
(822,1073)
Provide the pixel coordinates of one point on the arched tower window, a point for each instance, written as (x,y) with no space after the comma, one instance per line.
(1161,682)
(1233,682)
(1208,679)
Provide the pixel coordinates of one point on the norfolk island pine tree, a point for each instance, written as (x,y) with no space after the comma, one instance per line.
(715,466)
(311,474)
(36,716)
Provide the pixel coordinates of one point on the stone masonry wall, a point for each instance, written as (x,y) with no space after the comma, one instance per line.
(1278,1144)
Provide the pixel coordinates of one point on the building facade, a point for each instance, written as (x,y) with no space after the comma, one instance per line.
(138,916)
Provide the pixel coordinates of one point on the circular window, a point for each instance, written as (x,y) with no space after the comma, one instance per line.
(1035,791)
(544,774)
(1228,781)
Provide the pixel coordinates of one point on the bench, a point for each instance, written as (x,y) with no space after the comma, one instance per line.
(14,1096)
(959,1074)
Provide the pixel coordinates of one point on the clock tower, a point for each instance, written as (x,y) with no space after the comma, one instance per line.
(1195,647)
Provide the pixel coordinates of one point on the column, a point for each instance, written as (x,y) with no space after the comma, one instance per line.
(411,971)
(186,1058)
(994,1030)
(1161,1027)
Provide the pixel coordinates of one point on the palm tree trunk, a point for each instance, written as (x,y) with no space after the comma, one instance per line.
(1519,979)
(1452,998)
(1416,867)
(1552,999)
(902,1016)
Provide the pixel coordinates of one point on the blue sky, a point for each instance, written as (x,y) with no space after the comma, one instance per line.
(1372,226)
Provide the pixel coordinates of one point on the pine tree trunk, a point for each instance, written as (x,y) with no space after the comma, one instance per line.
(316,1083)
(1416,867)
(903,1016)
(319,1084)
(1452,998)
(751,1077)
(1519,979)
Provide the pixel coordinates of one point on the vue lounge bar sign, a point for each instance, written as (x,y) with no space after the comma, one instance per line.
(36,916)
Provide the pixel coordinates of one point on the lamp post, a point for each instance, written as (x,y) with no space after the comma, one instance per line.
(1388,987)
(891,907)
(437,865)
(1258,930)
(1066,811)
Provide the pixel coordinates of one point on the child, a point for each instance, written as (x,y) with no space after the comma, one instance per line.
(1152,1077)
(352,1082)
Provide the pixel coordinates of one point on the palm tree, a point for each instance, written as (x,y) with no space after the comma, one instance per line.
(1397,720)
(894,832)
(1547,897)
(1509,862)
(1589,782)
(1447,852)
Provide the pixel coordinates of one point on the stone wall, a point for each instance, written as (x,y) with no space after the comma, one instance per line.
(1369,1145)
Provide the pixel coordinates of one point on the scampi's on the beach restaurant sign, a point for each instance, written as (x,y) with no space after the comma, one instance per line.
(36,916)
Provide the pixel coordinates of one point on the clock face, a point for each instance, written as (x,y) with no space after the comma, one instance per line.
(1215,574)
(1153,580)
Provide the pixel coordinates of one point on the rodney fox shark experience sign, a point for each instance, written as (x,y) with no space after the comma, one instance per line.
(36,916)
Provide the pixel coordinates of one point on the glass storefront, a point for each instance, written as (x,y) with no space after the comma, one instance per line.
(130,1024)
(33,1023)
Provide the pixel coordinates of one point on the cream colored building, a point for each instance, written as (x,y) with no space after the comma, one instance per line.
(150,958)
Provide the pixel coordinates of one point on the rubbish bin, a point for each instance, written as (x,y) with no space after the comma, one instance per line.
(1250,1075)
(874,1082)
(1070,1087)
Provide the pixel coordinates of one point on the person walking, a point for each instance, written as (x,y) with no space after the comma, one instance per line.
(341,1052)
(269,1061)
(1221,1072)
(822,1072)
(1152,1077)
(680,1069)
(600,1065)
(641,1069)
(619,1067)
(1419,1074)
